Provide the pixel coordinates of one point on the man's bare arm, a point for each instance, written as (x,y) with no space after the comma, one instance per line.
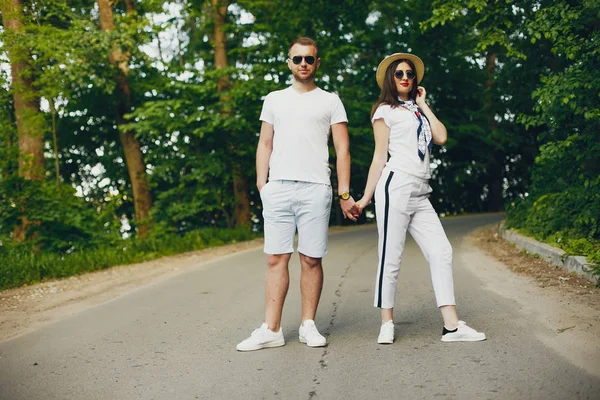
(263,154)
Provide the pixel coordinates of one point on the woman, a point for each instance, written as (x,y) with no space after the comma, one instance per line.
(405,126)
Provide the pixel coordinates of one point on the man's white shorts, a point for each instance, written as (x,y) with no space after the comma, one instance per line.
(291,205)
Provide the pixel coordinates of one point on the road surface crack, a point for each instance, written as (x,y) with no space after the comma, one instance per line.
(323,363)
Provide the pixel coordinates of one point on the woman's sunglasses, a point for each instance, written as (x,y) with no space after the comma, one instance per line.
(310,60)
(400,74)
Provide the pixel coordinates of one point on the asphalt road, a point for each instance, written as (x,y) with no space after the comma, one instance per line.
(176,339)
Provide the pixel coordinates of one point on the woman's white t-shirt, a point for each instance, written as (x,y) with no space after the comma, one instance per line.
(403,142)
(301,122)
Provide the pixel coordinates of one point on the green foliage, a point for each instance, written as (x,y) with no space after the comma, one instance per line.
(493,23)
(514,82)
(546,77)
(480,84)
(564,199)
(8,131)
(63,220)
(568,94)
(565,193)
(21,264)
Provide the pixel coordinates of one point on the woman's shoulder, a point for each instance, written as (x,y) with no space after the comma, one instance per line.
(382,109)
(392,114)
(389,109)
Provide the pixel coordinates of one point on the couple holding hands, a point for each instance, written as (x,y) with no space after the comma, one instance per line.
(293,154)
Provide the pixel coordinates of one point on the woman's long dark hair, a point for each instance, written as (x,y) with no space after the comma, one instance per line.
(389,93)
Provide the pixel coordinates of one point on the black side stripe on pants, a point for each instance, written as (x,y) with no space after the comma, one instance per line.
(385,230)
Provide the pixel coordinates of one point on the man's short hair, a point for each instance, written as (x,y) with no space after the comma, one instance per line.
(304,41)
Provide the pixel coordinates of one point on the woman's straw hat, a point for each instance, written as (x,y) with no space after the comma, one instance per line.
(383,66)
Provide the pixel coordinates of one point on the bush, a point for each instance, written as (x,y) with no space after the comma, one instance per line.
(563,206)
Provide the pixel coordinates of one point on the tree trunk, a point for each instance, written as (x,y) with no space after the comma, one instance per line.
(495,198)
(30,122)
(240,183)
(129,6)
(134,159)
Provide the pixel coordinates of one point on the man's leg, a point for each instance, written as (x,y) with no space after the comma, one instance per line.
(313,208)
(279,226)
(311,284)
(276,287)
(277,282)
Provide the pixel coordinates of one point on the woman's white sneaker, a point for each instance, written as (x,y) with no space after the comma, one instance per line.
(463,333)
(262,338)
(386,333)
(308,333)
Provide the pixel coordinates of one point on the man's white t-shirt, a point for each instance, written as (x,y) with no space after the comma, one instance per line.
(301,122)
(403,142)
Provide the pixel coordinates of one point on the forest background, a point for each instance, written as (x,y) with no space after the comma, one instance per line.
(128,128)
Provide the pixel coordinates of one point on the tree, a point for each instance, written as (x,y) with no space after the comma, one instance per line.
(491,32)
(131,145)
(564,198)
(242,216)
(29,121)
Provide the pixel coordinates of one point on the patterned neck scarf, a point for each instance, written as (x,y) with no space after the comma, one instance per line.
(424,129)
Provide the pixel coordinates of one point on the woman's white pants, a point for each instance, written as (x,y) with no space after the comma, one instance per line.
(402,204)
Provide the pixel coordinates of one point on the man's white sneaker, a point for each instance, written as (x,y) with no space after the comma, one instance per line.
(262,338)
(386,333)
(463,333)
(308,333)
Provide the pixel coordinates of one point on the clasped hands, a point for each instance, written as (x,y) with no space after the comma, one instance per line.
(353,209)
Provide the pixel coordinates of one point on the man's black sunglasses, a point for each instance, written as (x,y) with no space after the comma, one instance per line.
(310,60)
(400,74)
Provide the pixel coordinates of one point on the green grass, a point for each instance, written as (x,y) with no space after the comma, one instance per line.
(20,265)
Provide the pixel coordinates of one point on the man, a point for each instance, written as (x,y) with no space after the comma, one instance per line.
(293,152)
